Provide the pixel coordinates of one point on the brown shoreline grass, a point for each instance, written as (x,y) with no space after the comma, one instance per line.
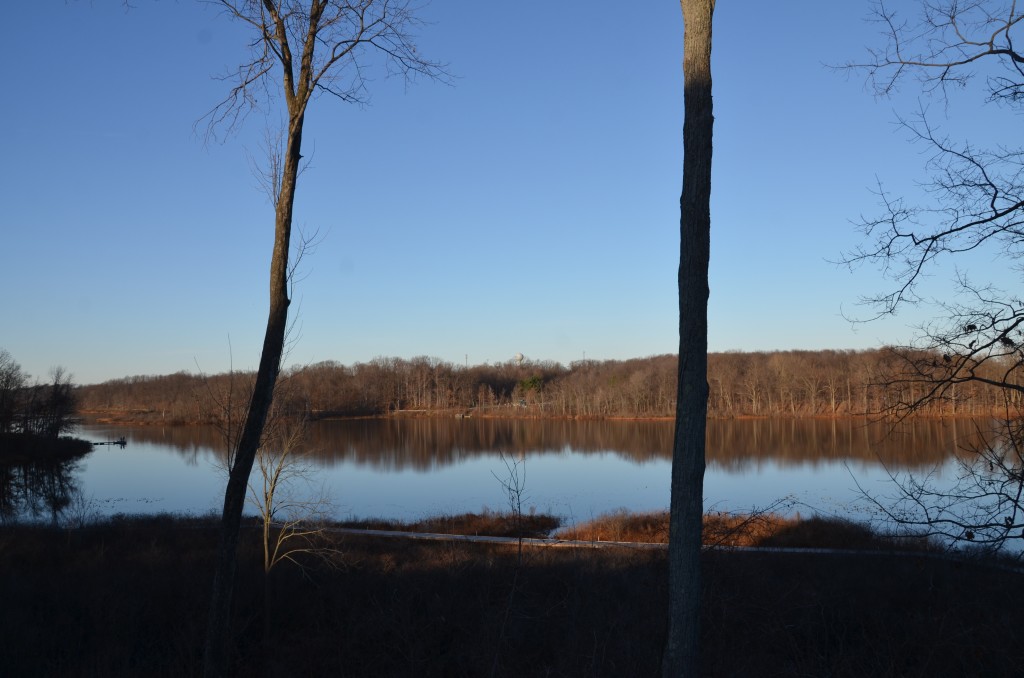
(758,529)
(486,523)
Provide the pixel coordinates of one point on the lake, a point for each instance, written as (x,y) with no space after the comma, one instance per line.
(411,468)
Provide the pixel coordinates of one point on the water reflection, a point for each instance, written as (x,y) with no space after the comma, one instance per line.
(406,468)
(424,444)
(37,490)
(789,442)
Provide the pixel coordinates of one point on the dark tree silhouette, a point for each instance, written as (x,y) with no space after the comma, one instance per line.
(300,48)
(687,502)
(12,385)
(976,205)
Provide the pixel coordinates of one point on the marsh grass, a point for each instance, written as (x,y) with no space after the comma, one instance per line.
(620,525)
(486,523)
(128,597)
(756,529)
(720,528)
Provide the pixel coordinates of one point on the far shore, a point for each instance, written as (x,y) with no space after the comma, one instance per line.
(149,418)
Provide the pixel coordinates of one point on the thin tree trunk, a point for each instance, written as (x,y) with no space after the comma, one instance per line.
(682,657)
(217,631)
(339,34)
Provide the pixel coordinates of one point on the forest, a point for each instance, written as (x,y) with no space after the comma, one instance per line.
(828,383)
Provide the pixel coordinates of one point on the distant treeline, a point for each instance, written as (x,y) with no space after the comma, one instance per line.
(759,384)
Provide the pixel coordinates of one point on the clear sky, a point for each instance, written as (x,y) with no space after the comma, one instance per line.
(530,207)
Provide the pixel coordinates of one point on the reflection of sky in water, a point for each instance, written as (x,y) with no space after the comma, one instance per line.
(561,483)
(150,477)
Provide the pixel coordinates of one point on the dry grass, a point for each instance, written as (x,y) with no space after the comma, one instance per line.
(651,528)
(488,523)
(759,529)
(720,529)
(728,529)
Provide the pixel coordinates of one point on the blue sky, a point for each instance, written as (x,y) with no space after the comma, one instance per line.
(530,207)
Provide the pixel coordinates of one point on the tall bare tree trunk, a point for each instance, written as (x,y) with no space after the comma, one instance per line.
(314,42)
(682,648)
(218,631)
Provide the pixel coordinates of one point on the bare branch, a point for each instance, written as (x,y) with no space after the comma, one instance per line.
(978,201)
(337,43)
(939,45)
(980,505)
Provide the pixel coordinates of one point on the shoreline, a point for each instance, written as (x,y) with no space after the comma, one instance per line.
(149,418)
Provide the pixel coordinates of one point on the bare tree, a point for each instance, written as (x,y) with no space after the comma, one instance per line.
(975,204)
(291,508)
(283,497)
(59,404)
(514,486)
(682,649)
(48,410)
(12,384)
(300,48)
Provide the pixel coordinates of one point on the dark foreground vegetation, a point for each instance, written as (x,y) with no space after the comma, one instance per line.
(759,384)
(128,597)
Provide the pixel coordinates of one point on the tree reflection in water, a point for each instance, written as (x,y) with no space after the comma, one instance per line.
(414,467)
(37,491)
(422,444)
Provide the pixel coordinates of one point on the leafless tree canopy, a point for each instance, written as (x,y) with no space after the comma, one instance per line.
(975,196)
(974,203)
(326,46)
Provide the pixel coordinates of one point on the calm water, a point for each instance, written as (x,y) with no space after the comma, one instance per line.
(413,468)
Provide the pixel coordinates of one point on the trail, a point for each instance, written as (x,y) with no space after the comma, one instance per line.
(648,546)
(512,541)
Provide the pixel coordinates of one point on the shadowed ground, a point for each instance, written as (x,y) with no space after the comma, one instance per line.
(129,598)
